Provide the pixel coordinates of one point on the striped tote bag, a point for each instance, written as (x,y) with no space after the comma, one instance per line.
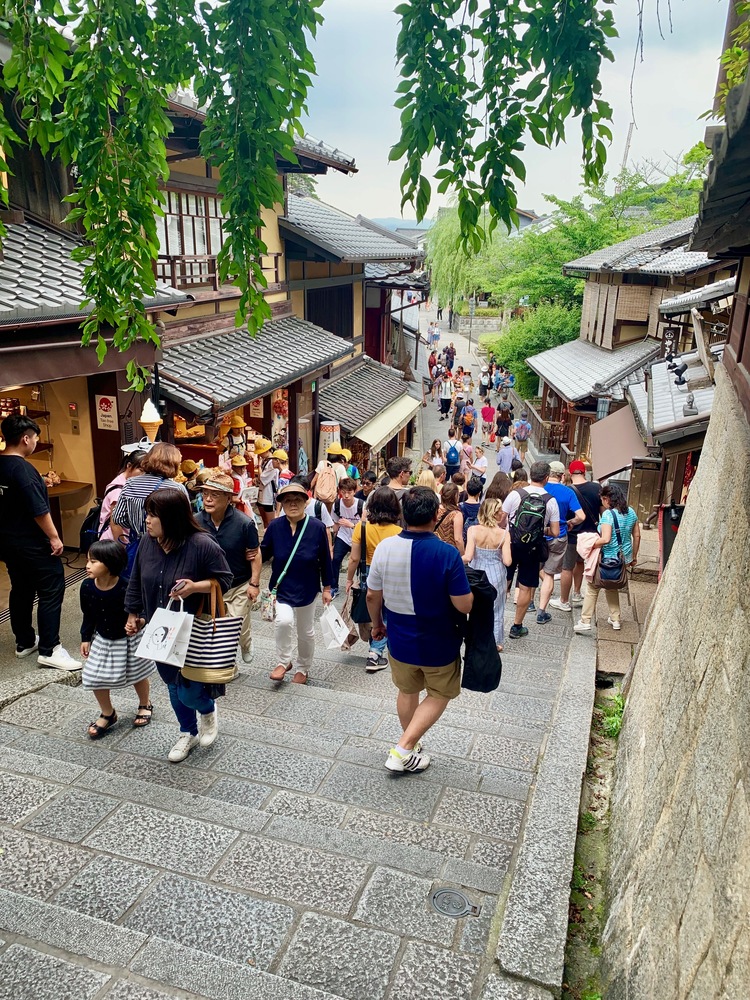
(212,651)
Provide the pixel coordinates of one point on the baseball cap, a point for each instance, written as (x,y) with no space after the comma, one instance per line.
(557,467)
(577,467)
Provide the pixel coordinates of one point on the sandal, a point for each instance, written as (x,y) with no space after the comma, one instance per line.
(99,731)
(278,673)
(140,721)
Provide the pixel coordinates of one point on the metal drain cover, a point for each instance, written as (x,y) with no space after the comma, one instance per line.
(452,903)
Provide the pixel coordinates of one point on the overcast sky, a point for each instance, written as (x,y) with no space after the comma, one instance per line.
(351,105)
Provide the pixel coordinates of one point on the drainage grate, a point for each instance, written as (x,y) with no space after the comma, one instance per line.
(452,903)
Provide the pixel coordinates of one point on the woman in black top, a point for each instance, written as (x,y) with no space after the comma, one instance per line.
(177,558)
(300,584)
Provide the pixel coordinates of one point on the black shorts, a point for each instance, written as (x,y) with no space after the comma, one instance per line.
(445,405)
(528,562)
(267,507)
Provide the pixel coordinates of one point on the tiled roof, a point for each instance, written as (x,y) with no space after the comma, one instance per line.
(666,400)
(574,369)
(659,251)
(699,297)
(341,236)
(360,394)
(40,281)
(396,275)
(307,145)
(224,370)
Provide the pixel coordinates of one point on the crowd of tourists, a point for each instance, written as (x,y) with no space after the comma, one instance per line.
(413,539)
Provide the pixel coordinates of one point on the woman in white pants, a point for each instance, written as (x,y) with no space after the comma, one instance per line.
(301,562)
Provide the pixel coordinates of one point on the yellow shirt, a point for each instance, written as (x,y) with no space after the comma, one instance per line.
(374,536)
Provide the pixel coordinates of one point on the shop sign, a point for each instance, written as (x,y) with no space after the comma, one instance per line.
(256,408)
(106,413)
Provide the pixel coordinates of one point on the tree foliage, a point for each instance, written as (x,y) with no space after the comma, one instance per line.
(477,77)
(526,266)
(536,331)
(99,103)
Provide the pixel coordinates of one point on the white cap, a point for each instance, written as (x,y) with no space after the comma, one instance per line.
(143,445)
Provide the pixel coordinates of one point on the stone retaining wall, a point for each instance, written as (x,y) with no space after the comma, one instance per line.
(679,922)
(479,325)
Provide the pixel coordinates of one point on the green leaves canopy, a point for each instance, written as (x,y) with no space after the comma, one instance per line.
(476,77)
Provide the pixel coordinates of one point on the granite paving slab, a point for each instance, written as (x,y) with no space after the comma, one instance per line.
(219,921)
(400,902)
(408,795)
(28,973)
(70,816)
(352,962)
(294,874)
(106,888)
(73,932)
(274,766)
(444,840)
(21,762)
(35,866)
(428,973)
(20,796)
(172,842)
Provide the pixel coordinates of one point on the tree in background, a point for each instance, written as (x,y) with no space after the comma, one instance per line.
(304,184)
(525,267)
(535,331)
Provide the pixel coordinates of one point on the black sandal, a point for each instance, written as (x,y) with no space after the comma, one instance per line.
(99,731)
(141,721)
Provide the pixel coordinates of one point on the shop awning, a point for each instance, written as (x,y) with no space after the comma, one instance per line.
(615,442)
(379,431)
(357,394)
(216,373)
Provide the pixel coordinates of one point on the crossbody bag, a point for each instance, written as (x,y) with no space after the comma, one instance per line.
(612,573)
(359,611)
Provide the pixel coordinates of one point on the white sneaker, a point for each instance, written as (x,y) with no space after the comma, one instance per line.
(615,625)
(182,747)
(248,654)
(576,600)
(411,761)
(560,605)
(27,651)
(208,728)
(60,659)
(582,627)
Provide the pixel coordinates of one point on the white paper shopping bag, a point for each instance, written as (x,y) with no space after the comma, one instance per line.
(334,628)
(165,638)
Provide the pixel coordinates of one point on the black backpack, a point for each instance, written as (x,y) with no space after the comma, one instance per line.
(528,524)
(90,531)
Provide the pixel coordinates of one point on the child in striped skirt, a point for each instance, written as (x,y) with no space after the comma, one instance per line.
(109,654)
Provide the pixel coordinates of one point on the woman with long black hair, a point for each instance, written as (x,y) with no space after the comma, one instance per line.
(177,559)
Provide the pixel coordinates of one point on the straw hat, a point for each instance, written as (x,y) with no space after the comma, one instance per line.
(281,455)
(238,462)
(334,448)
(237,422)
(262,445)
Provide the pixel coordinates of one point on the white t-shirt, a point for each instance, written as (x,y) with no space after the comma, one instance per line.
(481,461)
(269,482)
(513,499)
(348,514)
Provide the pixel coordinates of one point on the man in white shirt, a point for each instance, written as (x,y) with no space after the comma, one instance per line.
(529,520)
(347,513)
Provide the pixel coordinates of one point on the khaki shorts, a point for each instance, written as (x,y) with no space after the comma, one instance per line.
(556,550)
(440,682)
(523,447)
(571,557)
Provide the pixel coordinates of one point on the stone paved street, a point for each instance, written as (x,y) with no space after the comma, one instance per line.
(285,861)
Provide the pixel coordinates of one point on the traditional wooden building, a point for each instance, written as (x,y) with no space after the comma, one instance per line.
(622,332)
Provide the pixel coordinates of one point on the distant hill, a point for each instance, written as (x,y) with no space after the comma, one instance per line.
(394,223)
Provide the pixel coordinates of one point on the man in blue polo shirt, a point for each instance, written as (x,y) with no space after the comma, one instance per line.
(571,514)
(422,583)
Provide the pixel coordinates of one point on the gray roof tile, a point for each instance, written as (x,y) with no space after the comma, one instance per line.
(227,369)
(343,236)
(361,393)
(698,297)
(573,369)
(666,400)
(39,280)
(659,251)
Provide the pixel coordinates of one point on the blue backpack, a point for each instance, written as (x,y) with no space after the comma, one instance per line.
(452,456)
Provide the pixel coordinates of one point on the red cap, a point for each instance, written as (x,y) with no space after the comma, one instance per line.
(577,467)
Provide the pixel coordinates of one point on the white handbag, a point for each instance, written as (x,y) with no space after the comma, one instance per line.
(334,628)
(166,636)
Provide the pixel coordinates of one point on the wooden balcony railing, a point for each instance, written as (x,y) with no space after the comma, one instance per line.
(546,435)
(200,271)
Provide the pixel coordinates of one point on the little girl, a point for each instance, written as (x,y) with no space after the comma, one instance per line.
(109,654)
